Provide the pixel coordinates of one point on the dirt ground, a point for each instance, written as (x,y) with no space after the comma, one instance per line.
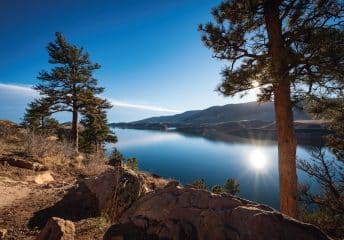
(21,197)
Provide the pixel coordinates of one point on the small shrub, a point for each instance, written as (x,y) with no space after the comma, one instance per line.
(116,158)
(217,189)
(199,184)
(132,163)
(232,186)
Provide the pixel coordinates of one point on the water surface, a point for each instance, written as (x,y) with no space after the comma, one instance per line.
(189,158)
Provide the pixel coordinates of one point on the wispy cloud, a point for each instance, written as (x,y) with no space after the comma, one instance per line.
(151,108)
(19,89)
(28,91)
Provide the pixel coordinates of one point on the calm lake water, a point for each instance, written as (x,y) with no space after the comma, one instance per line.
(188,158)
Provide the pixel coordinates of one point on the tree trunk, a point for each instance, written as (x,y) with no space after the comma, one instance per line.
(286,150)
(283,111)
(75,132)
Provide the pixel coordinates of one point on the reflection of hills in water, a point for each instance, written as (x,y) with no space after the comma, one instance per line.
(234,122)
(188,158)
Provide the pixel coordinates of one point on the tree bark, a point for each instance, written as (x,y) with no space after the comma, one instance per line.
(283,111)
(75,132)
(286,150)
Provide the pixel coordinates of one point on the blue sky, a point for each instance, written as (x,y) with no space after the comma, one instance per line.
(153,61)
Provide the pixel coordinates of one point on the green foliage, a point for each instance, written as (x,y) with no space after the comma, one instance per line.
(69,85)
(116,158)
(311,55)
(217,189)
(37,117)
(97,131)
(200,184)
(132,163)
(332,110)
(232,186)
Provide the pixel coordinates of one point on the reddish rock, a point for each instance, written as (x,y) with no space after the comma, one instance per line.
(188,213)
(108,194)
(57,229)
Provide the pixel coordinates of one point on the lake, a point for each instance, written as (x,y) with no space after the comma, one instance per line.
(188,158)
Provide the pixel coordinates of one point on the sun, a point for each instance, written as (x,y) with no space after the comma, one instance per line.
(258,160)
(255,83)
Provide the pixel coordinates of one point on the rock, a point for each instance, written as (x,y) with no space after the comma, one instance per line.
(108,194)
(57,229)
(188,213)
(172,184)
(23,163)
(3,233)
(44,178)
(116,190)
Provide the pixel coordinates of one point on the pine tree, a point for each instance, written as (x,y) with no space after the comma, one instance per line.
(286,48)
(70,82)
(94,120)
(38,116)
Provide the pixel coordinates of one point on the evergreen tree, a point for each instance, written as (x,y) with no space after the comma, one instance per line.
(94,120)
(116,158)
(69,84)
(232,186)
(332,110)
(132,163)
(286,48)
(217,189)
(38,116)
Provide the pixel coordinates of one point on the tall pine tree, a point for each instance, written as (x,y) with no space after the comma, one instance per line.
(69,84)
(288,49)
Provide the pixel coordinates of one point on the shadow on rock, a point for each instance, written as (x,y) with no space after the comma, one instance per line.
(79,203)
(109,194)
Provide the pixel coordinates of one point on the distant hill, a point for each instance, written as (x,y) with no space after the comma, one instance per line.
(227,113)
(234,122)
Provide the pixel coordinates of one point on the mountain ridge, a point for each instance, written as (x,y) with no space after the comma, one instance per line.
(225,113)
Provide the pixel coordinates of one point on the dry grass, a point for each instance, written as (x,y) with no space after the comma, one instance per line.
(92,164)
(46,149)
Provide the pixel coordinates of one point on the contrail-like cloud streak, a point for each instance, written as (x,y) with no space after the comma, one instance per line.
(29,91)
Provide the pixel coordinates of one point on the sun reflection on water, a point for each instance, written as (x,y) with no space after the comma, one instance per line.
(258,160)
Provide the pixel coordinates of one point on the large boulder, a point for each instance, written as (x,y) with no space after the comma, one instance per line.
(108,194)
(188,213)
(116,190)
(57,229)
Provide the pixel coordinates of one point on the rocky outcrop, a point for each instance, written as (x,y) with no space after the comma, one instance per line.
(188,213)
(57,229)
(116,190)
(109,194)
